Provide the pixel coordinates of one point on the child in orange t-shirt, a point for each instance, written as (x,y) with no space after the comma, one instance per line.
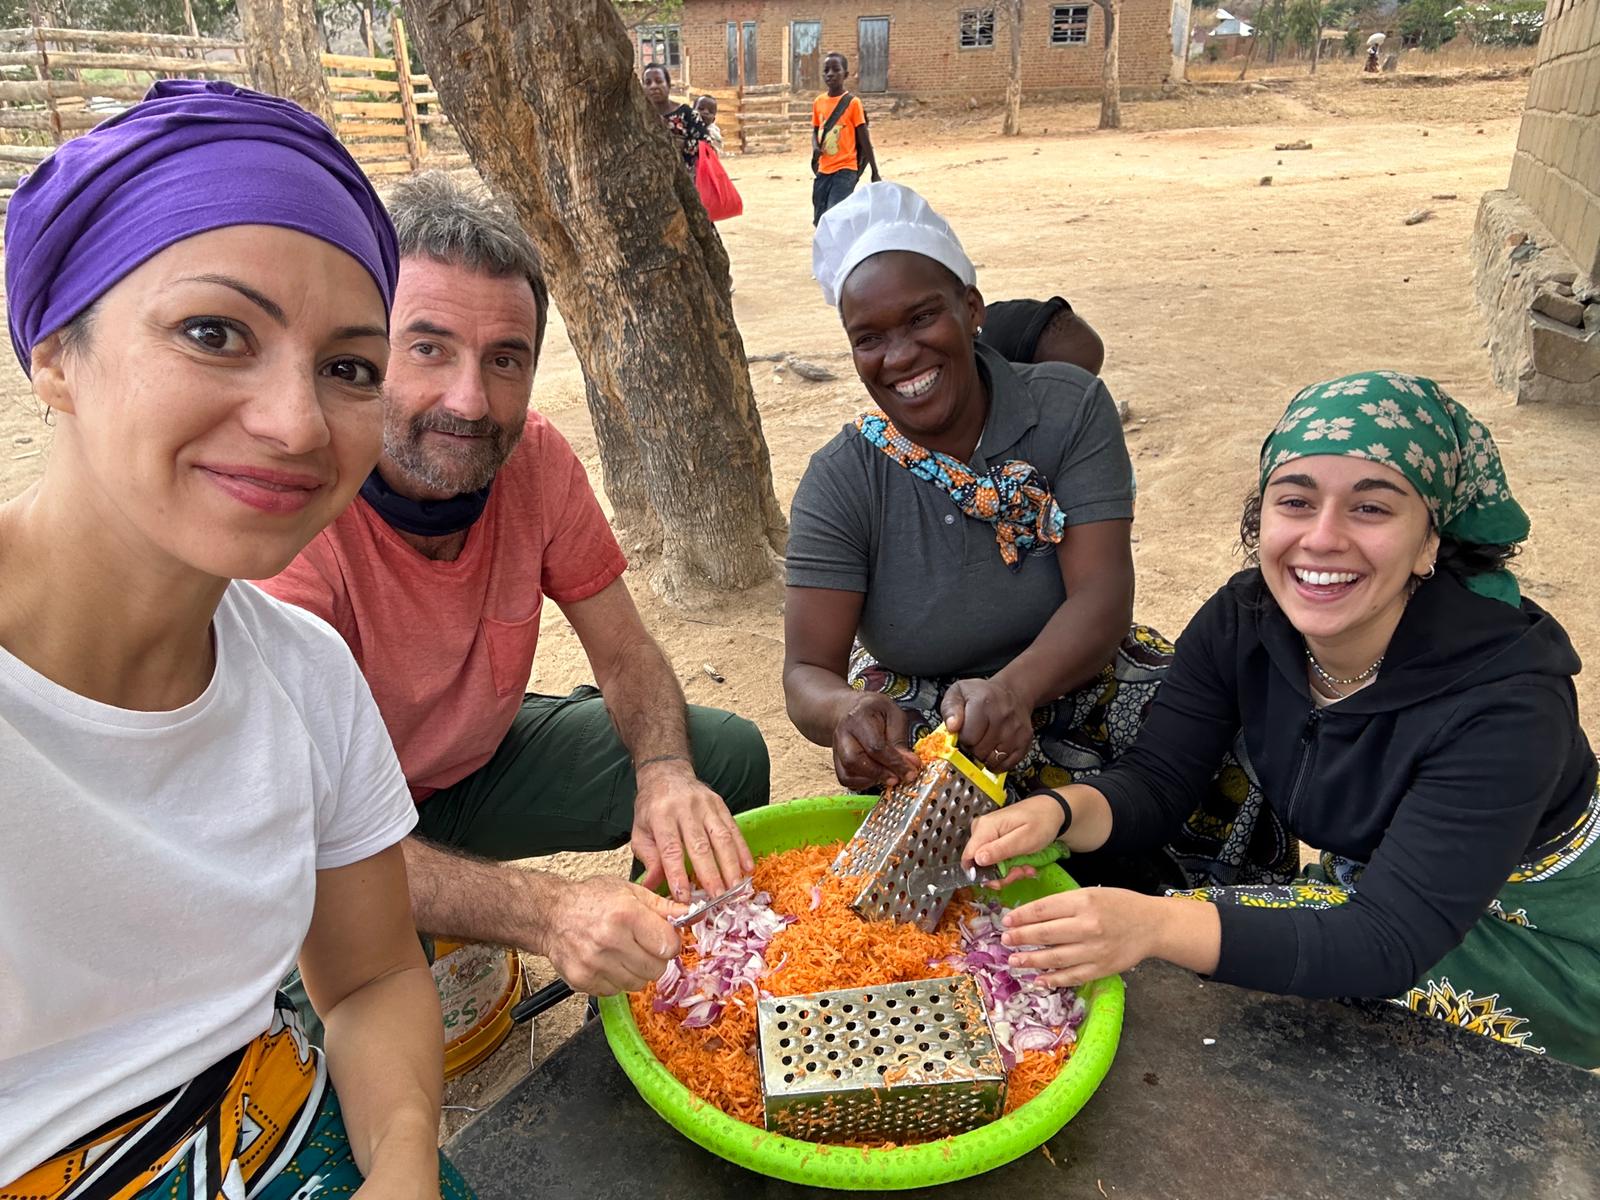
(840,144)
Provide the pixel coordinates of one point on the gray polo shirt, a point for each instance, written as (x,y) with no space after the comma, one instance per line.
(939,598)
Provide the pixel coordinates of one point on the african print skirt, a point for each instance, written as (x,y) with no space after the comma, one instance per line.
(1233,837)
(264,1122)
(1527,974)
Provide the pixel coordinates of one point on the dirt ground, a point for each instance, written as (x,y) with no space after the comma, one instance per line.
(1217,298)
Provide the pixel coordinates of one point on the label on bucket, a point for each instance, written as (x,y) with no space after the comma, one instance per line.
(472,980)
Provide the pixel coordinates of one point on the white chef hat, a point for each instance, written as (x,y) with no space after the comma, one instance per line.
(878,217)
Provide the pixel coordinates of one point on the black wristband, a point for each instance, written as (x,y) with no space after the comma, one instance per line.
(1066,809)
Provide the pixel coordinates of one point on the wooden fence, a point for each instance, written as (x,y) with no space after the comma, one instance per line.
(57,83)
(388,115)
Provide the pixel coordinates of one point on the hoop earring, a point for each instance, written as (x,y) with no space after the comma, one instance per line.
(1430,572)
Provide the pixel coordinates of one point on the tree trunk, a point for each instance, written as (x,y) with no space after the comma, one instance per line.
(1316,50)
(366,29)
(1013,121)
(543,95)
(1255,40)
(1111,98)
(188,18)
(637,526)
(285,52)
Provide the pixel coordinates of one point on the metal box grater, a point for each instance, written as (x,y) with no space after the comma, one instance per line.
(917,830)
(901,1062)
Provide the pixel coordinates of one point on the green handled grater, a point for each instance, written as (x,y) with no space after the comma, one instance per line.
(917,831)
(902,1062)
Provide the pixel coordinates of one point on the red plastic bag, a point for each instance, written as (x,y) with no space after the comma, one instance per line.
(716,190)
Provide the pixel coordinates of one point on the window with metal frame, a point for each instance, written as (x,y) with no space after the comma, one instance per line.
(1069,24)
(976,29)
(661,44)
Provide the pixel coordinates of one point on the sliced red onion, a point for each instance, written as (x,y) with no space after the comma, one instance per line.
(731,941)
(1026,1014)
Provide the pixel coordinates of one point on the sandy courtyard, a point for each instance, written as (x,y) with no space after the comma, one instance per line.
(1217,297)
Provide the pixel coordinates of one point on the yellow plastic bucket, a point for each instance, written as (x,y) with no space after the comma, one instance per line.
(478,985)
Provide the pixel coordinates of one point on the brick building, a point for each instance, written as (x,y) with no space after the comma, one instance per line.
(1556,169)
(917,47)
(1536,246)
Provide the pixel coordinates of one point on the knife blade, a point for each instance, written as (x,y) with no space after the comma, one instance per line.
(946,881)
(704,908)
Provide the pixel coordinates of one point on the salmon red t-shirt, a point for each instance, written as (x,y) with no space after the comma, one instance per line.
(447,647)
(844,130)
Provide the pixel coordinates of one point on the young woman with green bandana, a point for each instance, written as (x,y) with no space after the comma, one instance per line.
(1402,707)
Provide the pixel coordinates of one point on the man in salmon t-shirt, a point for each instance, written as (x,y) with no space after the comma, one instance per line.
(841,147)
(436,577)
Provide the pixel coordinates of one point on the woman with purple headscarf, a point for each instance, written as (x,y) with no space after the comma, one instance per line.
(200,791)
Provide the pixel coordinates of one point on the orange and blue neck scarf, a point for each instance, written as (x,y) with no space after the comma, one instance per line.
(1014,497)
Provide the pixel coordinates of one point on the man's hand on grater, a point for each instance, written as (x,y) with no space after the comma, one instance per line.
(993,724)
(871,744)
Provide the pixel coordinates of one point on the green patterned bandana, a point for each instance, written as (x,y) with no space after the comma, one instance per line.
(1410,424)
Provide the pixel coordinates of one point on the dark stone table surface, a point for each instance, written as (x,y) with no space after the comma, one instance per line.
(1215,1092)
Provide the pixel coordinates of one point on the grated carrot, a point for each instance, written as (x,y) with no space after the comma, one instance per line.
(827,948)
(1034,1072)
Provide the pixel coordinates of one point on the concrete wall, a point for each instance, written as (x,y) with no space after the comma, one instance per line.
(1556,171)
(924,55)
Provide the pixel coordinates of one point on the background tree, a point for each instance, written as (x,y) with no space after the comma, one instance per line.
(1013,122)
(1303,23)
(284,50)
(1426,23)
(544,96)
(1111,90)
(1499,22)
(1272,23)
(212,17)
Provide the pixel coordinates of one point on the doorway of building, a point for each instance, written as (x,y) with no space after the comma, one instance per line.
(749,53)
(872,38)
(805,49)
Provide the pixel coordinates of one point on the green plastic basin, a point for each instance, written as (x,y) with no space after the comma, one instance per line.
(831,819)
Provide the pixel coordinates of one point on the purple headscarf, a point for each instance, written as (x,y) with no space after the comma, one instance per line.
(192,156)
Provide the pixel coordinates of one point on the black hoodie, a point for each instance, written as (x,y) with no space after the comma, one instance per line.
(1462,759)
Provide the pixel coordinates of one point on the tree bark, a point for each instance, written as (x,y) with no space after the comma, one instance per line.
(543,95)
(1111,97)
(285,52)
(1013,121)
(637,525)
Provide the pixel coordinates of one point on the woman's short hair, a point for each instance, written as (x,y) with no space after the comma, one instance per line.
(450,221)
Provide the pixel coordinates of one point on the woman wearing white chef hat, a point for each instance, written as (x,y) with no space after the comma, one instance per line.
(960,553)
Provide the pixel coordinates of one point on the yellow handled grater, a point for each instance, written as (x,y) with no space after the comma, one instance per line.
(917,831)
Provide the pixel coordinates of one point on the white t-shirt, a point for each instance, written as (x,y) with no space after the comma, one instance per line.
(158,869)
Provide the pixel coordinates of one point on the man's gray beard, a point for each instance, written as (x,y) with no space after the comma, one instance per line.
(452,476)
